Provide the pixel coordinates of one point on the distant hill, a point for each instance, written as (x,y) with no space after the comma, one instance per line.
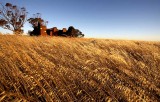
(50,69)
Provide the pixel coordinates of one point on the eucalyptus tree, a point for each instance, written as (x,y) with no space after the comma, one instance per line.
(12,17)
(37,19)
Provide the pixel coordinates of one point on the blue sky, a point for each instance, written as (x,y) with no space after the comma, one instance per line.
(116,19)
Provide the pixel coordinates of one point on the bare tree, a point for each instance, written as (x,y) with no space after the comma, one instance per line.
(12,17)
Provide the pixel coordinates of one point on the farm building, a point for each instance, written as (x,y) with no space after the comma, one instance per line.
(44,31)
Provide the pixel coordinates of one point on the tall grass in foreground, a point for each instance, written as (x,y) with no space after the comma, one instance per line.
(83,70)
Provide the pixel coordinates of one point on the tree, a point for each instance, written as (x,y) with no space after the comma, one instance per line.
(36,19)
(12,17)
(72,32)
(78,33)
(36,22)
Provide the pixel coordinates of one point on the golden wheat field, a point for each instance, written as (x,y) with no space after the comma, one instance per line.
(57,69)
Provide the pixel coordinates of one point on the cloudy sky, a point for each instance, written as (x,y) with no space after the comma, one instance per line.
(117,19)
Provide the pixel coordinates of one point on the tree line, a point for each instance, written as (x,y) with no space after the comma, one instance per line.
(13,18)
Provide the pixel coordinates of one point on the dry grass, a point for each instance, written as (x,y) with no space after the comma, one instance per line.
(83,70)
